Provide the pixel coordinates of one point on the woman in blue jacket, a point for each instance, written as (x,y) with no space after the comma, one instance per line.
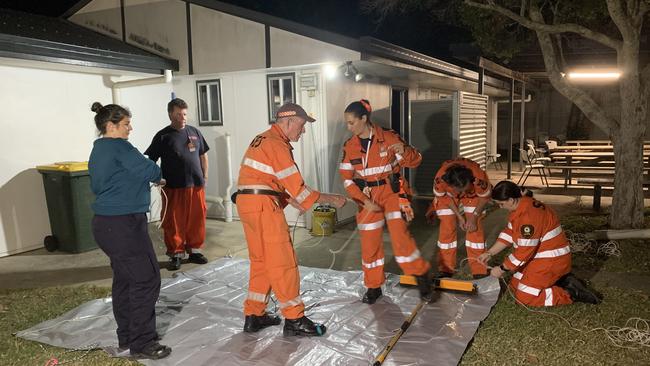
(120,177)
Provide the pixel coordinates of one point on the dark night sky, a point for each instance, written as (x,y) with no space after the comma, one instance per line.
(413,30)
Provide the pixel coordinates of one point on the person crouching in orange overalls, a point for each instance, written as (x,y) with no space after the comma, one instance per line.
(370,168)
(461,190)
(541,259)
(269,179)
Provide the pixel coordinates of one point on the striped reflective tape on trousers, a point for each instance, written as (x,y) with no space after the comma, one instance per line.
(411,258)
(474,245)
(527,289)
(259,297)
(451,245)
(554,253)
(445,212)
(372,225)
(469,209)
(375,264)
(548,301)
(518,275)
(293,302)
(392,215)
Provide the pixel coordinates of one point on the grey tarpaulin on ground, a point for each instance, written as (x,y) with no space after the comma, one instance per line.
(200,317)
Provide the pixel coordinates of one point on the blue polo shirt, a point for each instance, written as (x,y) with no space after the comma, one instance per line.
(179,152)
(119,177)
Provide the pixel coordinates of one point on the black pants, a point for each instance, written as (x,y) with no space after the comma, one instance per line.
(136,277)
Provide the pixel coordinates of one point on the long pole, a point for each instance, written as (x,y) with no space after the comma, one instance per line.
(393,341)
(512,123)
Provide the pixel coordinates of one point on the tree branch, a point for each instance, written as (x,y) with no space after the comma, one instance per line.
(620,17)
(540,26)
(579,97)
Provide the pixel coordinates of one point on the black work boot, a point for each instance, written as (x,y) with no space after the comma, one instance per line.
(154,351)
(425,286)
(174,263)
(197,258)
(578,290)
(302,327)
(444,275)
(371,296)
(255,323)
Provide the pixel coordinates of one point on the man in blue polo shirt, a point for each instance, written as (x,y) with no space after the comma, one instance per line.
(184,162)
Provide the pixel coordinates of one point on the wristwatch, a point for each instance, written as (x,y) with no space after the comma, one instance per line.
(504,269)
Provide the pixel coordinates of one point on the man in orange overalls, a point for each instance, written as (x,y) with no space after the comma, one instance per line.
(461,189)
(269,179)
(370,168)
(541,259)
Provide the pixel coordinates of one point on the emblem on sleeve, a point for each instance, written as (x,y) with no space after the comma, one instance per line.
(527,231)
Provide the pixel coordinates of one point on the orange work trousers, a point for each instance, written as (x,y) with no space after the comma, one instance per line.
(447,239)
(371,227)
(273,264)
(184,222)
(534,285)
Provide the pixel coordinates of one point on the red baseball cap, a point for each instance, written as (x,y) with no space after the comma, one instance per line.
(291,110)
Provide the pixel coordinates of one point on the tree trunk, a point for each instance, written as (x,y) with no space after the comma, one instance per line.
(627,203)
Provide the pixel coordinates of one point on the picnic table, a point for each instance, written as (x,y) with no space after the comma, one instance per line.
(593,142)
(589,147)
(588,160)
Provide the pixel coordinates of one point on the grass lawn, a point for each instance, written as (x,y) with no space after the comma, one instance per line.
(511,335)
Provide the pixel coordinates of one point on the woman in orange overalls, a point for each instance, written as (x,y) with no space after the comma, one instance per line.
(541,259)
(370,168)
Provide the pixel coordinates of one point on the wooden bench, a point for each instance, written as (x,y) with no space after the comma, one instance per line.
(598,188)
(568,169)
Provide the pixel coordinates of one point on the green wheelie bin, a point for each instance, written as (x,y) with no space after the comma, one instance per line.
(68,196)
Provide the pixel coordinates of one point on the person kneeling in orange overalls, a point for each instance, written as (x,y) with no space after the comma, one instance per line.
(269,179)
(541,259)
(372,160)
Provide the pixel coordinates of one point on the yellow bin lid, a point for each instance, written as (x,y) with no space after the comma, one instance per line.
(65,166)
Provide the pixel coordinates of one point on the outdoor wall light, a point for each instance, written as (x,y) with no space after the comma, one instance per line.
(594,75)
(330,71)
(349,71)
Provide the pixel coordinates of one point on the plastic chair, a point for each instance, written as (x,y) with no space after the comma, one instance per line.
(494,159)
(530,165)
(551,145)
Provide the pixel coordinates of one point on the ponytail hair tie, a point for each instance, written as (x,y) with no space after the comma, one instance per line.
(366,105)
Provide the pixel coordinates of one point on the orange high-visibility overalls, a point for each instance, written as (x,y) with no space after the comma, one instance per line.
(444,195)
(541,254)
(374,167)
(268,165)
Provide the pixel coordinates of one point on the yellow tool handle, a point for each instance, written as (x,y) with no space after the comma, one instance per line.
(382,356)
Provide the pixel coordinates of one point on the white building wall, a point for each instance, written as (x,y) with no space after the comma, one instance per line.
(218,42)
(49,120)
(290,49)
(102,16)
(159,27)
